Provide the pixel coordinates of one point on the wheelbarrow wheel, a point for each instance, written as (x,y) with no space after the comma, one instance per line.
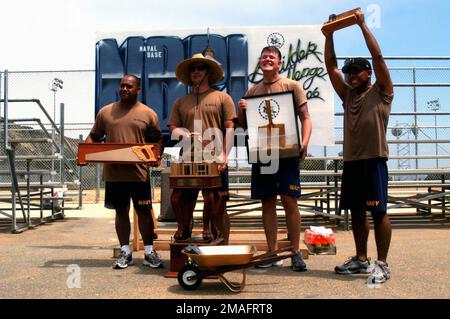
(185,277)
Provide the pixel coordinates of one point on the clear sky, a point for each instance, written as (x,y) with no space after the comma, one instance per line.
(57,35)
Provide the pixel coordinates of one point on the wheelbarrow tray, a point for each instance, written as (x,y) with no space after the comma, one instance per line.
(226,255)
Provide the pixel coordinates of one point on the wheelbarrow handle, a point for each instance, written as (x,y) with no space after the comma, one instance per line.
(272,253)
(271,259)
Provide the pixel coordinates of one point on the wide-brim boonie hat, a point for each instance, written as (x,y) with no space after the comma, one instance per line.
(215,71)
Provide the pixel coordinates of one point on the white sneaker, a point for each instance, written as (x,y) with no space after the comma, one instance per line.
(380,273)
(278,263)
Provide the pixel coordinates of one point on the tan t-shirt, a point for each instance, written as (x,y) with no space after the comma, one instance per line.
(138,124)
(365,122)
(213,109)
(281,85)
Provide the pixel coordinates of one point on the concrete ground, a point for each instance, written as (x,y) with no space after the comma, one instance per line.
(72,258)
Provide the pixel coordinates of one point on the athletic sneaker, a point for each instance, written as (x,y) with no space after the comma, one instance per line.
(278,263)
(153,260)
(353,266)
(123,261)
(379,274)
(298,264)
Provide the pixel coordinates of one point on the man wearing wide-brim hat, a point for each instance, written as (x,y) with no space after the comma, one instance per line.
(214,74)
(193,114)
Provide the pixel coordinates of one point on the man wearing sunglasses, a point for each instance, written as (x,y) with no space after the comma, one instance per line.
(365,175)
(194,115)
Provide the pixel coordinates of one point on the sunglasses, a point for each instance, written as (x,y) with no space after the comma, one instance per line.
(201,67)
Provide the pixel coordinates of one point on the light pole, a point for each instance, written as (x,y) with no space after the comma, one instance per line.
(434,106)
(57,84)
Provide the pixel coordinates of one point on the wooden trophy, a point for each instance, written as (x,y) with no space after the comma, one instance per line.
(340,21)
(193,174)
(265,131)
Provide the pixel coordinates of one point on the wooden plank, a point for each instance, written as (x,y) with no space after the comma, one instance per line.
(261,245)
(171,231)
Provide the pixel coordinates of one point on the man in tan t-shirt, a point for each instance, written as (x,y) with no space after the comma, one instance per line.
(193,116)
(365,175)
(286,181)
(129,121)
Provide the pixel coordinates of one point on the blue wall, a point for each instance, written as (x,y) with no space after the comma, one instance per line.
(154,60)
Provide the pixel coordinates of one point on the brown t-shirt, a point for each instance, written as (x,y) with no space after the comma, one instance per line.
(213,109)
(138,124)
(281,85)
(365,122)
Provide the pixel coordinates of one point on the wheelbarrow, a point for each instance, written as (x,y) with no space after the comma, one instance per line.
(214,261)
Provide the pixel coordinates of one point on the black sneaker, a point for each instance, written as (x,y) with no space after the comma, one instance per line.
(298,264)
(353,266)
(153,260)
(123,261)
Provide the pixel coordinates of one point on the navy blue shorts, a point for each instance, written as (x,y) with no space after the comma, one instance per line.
(118,195)
(364,185)
(286,181)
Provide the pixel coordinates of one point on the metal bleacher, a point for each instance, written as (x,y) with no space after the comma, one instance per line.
(426,199)
(24,191)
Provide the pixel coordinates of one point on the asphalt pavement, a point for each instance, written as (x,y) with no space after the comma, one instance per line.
(72,258)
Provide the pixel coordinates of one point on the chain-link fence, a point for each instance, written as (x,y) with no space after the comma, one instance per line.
(418,127)
(33,94)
